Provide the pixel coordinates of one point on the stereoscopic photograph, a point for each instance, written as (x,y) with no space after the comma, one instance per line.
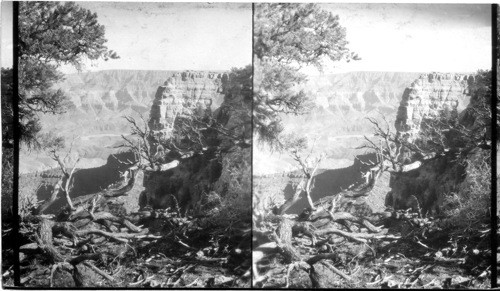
(135,142)
(372,146)
(248,145)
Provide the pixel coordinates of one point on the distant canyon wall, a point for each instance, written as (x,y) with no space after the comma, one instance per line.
(97,103)
(119,90)
(98,93)
(360,91)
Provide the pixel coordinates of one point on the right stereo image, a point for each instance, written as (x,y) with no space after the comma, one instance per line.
(373,146)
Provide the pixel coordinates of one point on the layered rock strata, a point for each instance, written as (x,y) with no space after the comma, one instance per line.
(184,186)
(431,96)
(184,94)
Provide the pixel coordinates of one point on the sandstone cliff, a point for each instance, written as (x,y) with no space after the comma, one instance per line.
(184,94)
(431,96)
(208,172)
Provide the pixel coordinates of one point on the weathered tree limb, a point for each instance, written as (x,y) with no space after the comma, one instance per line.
(52,272)
(29,246)
(337,271)
(143,134)
(349,217)
(67,176)
(44,240)
(150,236)
(132,227)
(119,237)
(99,271)
(69,184)
(310,178)
(366,223)
(359,237)
(284,243)
(102,215)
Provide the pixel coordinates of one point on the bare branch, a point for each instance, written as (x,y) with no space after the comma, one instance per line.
(69,182)
(309,183)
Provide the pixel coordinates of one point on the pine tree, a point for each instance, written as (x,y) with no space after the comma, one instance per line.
(52,34)
(288,37)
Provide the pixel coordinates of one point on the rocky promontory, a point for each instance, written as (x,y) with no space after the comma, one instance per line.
(431,96)
(209,167)
(184,94)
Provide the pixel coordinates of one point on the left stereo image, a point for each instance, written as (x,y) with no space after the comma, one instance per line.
(126,145)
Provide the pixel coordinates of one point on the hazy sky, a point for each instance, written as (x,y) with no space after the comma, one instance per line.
(6,43)
(416,37)
(388,37)
(174,36)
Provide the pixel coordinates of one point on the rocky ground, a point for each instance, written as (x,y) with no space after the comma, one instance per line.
(179,252)
(405,248)
(426,256)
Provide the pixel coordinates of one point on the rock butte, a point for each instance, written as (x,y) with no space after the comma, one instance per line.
(196,175)
(184,94)
(431,96)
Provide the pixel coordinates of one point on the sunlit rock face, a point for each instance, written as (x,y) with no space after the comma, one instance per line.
(184,94)
(431,96)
